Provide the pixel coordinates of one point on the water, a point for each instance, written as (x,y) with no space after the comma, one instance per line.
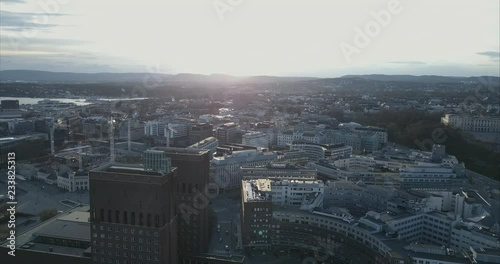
(79,102)
(27,100)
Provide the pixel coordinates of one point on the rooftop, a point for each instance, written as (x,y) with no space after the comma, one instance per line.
(72,230)
(204,141)
(130,169)
(256,190)
(49,228)
(172,150)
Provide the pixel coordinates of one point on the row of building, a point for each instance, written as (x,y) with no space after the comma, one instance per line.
(388,225)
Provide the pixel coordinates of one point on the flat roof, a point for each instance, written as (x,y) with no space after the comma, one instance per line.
(82,217)
(27,236)
(126,168)
(63,229)
(73,251)
(172,150)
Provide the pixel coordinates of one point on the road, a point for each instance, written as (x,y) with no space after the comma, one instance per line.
(227,210)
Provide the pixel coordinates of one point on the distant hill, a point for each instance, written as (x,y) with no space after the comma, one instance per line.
(160,78)
(424,78)
(70,77)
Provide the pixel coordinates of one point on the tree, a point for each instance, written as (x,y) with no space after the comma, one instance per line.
(47,214)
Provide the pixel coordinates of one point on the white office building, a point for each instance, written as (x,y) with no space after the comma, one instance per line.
(293,192)
(210,144)
(225,170)
(255,139)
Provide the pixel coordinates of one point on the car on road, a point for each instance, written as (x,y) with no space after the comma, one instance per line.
(226,247)
(227,232)
(220,239)
(218,228)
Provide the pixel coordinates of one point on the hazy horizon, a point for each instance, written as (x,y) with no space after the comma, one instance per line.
(250,38)
(259,75)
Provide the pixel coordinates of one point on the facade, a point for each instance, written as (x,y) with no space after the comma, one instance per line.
(287,137)
(226,133)
(427,177)
(356,198)
(192,167)
(133,216)
(317,152)
(277,171)
(73,181)
(381,133)
(314,152)
(366,175)
(256,213)
(464,236)
(200,132)
(294,156)
(22,127)
(209,143)
(25,146)
(348,138)
(256,139)
(154,128)
(338,151)
(225,170)
(330,235)
(178,130)
(293,192)
(470,123)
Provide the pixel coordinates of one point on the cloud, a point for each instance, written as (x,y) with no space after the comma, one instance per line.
(493,55)
(16,21)
(14,1)
(409,62)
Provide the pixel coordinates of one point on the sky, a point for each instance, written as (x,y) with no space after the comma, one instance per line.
(322,38)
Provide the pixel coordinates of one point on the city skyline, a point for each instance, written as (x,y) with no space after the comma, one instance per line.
(320,39)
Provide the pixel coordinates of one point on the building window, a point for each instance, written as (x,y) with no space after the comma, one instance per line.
(157,220)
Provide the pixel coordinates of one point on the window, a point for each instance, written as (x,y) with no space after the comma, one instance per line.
(157,220)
